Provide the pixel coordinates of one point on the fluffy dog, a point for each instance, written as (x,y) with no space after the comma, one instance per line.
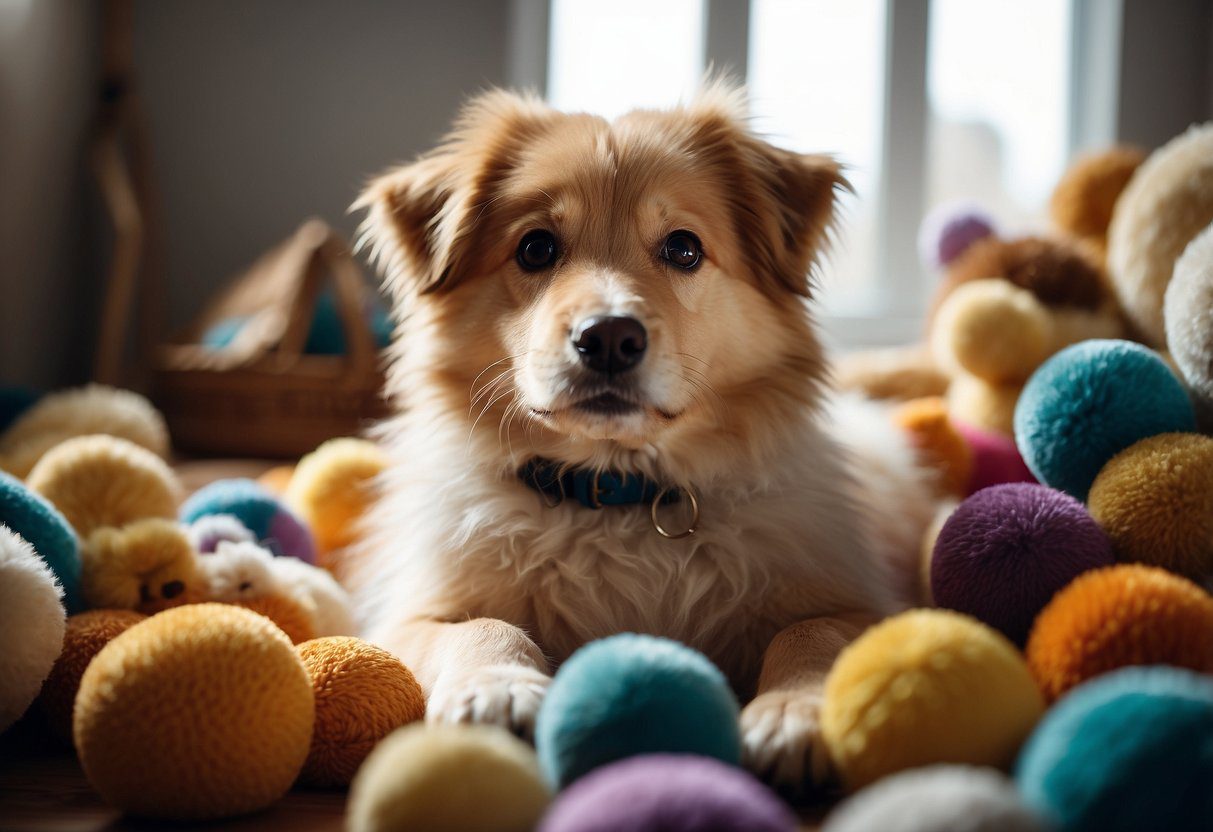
(604,342)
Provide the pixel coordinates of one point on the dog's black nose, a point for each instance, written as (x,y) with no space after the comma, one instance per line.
(610,344)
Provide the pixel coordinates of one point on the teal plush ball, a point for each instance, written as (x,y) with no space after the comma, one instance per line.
(41,525)
(1091,401)
(1130,750)
(633,694)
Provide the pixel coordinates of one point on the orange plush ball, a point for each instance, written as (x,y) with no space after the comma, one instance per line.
(1118,616)
(363,693)
(200,712)
(86,634)
(290,616)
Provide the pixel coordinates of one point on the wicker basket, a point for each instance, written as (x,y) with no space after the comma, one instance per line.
(261,394)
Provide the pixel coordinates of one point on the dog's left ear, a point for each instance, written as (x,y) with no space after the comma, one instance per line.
(422,218)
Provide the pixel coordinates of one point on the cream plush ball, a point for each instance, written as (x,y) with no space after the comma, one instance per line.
(1189,320)
(81,412)
(99,481)
(448,778)
(332,488)
(32,623)
(992,329)
(315,588)
(1168,202)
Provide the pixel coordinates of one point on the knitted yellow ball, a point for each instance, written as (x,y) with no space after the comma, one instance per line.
(363,693)
(202,711)
(1155,501)
(333,486)
(448,778)
(86,634)
(926,686)
(1118,616)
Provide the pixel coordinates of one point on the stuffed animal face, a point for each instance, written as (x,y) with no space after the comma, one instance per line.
(147,566)
(237,571)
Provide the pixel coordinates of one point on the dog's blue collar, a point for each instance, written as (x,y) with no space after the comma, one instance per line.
(593,489)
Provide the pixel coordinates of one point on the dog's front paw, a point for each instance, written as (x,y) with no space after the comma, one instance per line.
(505,695)
(781,740)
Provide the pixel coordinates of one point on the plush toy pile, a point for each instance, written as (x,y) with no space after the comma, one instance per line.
(201,658)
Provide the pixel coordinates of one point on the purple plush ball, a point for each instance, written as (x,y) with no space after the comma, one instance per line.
(1008,548)
(668,793)
(948,230)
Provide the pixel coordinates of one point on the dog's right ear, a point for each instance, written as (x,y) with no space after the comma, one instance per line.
(421,222)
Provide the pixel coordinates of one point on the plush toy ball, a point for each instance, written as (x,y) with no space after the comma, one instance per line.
(926,686)
(291,615)
(40,524)
(1122,615)
(1007,550)
(1083,202)
(937,799)
(86,634)
(1167,203)
(1189,320)
(363,693)
(147,565)
(101,481)
(31,625)
(332,488)
(1091,401)
(209,530)
(84,411)
(330,605)
(938,441)
(996,460)
(634,694)
(1129,751)
(448,778)
(668,793)
(1155,500)
(992,329)
(275,526)
(200,712)
(949,229)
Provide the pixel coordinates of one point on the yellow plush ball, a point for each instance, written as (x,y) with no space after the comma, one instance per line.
(332,488)
(203,711)
(86,634)
(926,686)
(1155,501)
(448,778)
(148,565)
(993,330)
(363,693)
(101,481)
(1119,616)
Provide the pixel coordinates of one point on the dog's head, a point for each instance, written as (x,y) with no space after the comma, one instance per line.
(610,284)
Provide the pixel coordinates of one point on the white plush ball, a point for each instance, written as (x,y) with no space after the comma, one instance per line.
(1189,317)
(314,587)
(32,623)
(941,798)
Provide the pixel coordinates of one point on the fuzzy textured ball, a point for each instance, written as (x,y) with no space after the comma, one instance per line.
(86,634)
(937,799)
(31,625)
(203,711)
(926,686)
(99,481)
(147,565)
(1129,751)
(1155,500)
(993,330)
(448,778)
(1085,197)
(1091,401)
(668,793)
(634,694)
(1007,550)
(363,693)
(1119,616)
(332,488)
(1189,321)
(275,526)
(40,524)
(949,229)
(1168,202)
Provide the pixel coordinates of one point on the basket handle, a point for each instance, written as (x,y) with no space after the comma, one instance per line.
(331,256)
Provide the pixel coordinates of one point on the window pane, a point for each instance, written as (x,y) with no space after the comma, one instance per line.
(816,79)
(998,79)
(610,57)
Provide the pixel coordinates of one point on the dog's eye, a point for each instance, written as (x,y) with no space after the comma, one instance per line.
(537,250)
(682,249)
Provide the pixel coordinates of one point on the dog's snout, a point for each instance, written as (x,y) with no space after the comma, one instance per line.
(610,344)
